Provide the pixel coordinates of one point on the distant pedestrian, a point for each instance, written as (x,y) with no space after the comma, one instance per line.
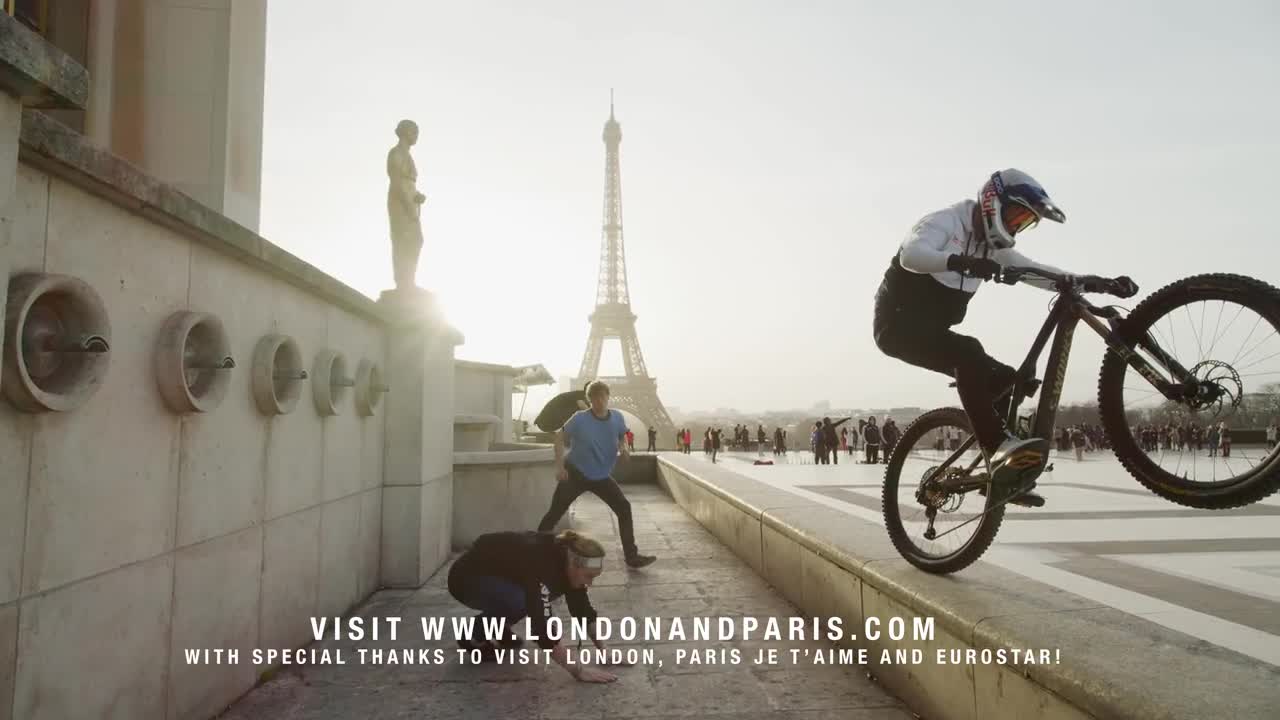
(1224,437)
(1213,440)
(653,440)
(631,440)
(1273,434)
(889,434)
(871,436)
(831,442)
(715,443)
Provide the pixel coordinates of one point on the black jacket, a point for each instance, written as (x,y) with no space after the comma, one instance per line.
(536,563)
(871,433)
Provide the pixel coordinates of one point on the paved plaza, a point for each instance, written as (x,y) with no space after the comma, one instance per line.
(1214,575)
(694,577)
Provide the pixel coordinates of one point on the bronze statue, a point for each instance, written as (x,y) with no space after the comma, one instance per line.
(404,206)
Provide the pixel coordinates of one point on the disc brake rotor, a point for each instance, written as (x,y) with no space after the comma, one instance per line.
(1219,390)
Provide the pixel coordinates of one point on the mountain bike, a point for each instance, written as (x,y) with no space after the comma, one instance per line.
(1184,355)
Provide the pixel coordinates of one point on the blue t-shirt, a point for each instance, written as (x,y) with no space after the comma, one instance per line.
(593,443)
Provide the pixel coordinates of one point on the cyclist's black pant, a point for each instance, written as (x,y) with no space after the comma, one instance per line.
(979,377)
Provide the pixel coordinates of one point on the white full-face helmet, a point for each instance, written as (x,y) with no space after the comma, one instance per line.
(1012,201)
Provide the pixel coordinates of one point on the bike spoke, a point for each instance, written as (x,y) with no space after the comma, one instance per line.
(1217,325)
(1226,329)
(1201,332)
(1193,327)
(1259,362)
(1247,338)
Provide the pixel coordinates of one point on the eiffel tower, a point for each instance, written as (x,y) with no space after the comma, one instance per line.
(635,391)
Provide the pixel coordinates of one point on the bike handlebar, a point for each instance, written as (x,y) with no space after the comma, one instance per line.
(1013,274)
(1061,281)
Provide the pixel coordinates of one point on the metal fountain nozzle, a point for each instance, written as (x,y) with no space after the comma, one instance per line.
(226,363)
(95,344)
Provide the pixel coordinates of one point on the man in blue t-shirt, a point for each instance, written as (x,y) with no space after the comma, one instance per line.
(596,438)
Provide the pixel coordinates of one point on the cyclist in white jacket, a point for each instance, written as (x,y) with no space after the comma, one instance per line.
(926,290)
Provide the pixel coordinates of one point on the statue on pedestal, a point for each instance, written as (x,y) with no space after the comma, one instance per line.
(404,207)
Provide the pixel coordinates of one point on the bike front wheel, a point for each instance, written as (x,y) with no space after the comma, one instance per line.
(935,471)
(1207,451)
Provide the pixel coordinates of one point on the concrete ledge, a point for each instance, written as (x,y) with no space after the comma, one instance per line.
(504,457)
(37,72)
(1111,664)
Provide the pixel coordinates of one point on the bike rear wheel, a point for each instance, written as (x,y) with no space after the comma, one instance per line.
(1225,330)
(912,492)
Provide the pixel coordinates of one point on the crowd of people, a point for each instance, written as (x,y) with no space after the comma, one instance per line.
(1215,438)
(828,439)
(826,444)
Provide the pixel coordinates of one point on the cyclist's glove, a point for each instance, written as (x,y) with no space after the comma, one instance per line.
(1122,287)
(978,267)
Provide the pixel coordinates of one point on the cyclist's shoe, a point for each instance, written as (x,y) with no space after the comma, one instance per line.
(1018,462)
(1028,499)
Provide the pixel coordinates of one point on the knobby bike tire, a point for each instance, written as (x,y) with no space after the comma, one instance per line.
(987,526)
(1250,487)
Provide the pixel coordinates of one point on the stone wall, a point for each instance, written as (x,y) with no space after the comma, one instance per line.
(130,532)
(123,520)
(204,441)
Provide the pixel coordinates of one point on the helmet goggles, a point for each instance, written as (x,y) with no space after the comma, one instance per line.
(1017,218)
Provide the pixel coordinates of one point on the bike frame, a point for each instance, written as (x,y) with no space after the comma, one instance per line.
(1068,311)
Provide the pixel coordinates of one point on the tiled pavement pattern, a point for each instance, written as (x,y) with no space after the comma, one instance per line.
(1211,574)
(694,576)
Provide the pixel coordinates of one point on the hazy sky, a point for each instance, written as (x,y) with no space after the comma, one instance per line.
(773,156)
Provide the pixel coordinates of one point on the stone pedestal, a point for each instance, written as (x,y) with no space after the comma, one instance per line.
(474,433)
(417,500)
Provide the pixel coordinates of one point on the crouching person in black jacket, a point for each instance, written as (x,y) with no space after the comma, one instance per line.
(516,575)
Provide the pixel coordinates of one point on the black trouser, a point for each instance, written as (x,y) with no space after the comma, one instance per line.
(652,446)
(873,453)
(915,338)
(606,489)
